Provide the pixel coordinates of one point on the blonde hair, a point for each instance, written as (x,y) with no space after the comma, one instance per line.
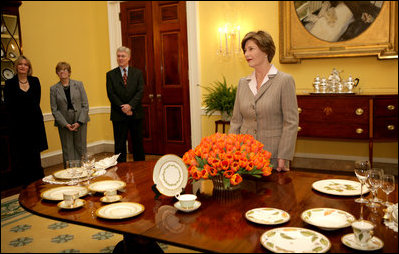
(19,60)
(263,40)
(62,66)
(124,49)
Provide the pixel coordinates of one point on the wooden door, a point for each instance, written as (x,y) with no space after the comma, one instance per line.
(157,35)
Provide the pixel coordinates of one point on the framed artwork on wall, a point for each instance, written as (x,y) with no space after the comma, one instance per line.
(325,29)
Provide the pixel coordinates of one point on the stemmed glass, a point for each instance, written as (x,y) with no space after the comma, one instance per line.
(388,186)
(88,162)
(362,172)
(374,181)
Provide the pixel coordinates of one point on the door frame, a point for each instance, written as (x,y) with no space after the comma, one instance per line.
(115,41)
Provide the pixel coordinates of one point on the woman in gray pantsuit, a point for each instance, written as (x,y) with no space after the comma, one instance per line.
(70,108)
(266,105)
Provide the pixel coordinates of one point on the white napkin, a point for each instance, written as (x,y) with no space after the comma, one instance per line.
(107,162)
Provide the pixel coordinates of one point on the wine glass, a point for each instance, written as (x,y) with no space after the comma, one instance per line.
(88,162)
(362,172)
(374,180)
(388,186)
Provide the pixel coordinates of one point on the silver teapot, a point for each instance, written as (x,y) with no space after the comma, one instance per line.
(351,83)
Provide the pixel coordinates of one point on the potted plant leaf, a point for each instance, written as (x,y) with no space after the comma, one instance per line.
(220,97)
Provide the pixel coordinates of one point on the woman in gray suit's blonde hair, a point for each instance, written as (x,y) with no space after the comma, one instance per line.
(70,108)
(266,105)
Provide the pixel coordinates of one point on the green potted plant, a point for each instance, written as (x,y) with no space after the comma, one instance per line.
(220,97)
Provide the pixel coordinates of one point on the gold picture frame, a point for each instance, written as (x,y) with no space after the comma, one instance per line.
(297,43)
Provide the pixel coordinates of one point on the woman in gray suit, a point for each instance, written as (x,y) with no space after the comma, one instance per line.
(266,105)
(70,108)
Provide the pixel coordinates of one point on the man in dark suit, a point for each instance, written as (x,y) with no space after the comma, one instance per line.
(125,86)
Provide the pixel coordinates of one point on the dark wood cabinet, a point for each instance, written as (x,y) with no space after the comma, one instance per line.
(344,116)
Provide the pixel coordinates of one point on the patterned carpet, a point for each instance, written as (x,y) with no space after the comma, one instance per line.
(23,232)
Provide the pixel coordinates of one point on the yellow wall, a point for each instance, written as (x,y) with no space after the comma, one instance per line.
(376,76)
(75,32)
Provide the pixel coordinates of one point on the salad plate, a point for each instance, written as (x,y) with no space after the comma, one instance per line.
(327,218)
(57,193)
(292,239)
(102,186)
(267,216)
(170,175)
(121,210)
(339,187)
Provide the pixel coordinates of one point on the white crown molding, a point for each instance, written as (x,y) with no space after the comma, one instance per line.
(92,111)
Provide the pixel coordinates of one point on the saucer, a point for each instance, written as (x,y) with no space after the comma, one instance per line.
(78,203)
(375,243)
(197,204)
(107,199)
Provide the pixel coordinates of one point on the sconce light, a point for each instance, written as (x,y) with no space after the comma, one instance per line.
(229,40)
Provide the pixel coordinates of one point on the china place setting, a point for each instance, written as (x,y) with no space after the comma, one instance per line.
(362,237)
(187,202)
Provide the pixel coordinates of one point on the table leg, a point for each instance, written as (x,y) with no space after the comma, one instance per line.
(136,244)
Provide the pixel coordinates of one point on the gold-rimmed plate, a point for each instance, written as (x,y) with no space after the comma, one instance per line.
(102,186)
(121,210)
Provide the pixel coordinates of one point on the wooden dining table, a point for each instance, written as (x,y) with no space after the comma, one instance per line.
(219,224)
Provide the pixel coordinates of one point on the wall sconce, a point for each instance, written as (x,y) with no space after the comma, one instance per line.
(229,40)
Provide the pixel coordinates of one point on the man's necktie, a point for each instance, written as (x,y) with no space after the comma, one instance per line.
(124,77)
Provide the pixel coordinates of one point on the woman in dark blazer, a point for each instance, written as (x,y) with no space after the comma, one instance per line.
(27,133)
(70,109)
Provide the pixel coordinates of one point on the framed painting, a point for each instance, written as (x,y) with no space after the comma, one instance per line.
(324,29)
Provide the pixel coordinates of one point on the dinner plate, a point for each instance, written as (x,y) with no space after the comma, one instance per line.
(65,174)
(327,218)
(57,192)
(170,175)
(120,210)
(339,187)
(102,186)
(292,239)
(374,243)
(267,216)
(78,203)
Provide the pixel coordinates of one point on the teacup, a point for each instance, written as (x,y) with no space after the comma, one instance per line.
(70,197)
(186,200)
(363,231)
(111,193)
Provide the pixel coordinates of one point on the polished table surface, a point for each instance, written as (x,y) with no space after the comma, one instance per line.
(219,225)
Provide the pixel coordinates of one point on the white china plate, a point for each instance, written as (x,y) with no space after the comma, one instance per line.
(105,185)
(57,193)
(375,243)
(327,218)
(170,175)
(8,73)
(120,210)
(339,187)
(178,206)
(78,203)
(267,216)
(292,239)
(64,174)
(112,199)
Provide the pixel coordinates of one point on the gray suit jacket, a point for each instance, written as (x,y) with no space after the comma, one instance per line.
(59,103)
(271,116)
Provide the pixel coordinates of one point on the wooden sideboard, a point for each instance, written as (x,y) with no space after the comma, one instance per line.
(344,116)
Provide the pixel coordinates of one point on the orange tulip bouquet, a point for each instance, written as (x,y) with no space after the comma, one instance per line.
(228,156)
